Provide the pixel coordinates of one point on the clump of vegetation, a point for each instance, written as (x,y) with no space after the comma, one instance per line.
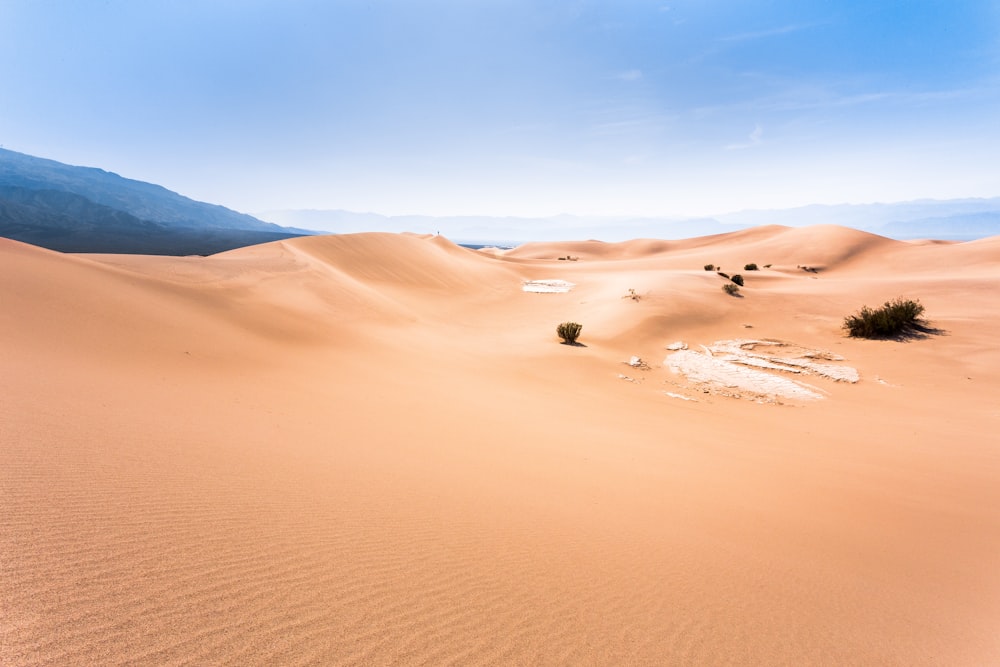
(767,266)
(632,295)
(569,331)
(738,279)
(750,267)
(710,267)
(569,258)
(724,275)
(893,318)
(731,289)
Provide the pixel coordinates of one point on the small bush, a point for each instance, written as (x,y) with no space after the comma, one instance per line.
(750,267)
(569,331)
(738,279)
(710,267)
(632,294)
(731,289)
(767,266)
(892,319)
(724,275)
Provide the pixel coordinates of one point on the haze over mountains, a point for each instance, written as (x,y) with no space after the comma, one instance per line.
(82,209)
(953,220)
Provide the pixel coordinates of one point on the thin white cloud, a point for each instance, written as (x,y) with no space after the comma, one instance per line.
(629,75)
(770,32)
(755,139)
(811,98)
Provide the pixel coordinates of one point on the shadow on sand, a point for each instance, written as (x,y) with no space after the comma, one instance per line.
(918,331)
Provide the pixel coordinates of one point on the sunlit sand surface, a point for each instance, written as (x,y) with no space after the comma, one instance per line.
(373,449)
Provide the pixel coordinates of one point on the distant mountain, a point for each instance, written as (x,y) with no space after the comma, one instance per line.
(82,209)
(959,220)
(949,219)
(503,230)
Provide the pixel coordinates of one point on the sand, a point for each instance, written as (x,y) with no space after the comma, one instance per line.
(373,449)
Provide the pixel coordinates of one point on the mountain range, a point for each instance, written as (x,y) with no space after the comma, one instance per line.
(83,209)
(953,220)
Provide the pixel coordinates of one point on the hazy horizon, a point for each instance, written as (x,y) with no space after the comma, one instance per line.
(639,109)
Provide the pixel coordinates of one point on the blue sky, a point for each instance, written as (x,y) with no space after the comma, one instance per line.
(511,107)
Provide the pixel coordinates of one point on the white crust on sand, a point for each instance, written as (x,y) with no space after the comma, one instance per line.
(737,366)
(547,286)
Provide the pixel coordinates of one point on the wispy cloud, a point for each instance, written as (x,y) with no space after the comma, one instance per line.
(810,97)
(629,75)
(770,32)
(755,139)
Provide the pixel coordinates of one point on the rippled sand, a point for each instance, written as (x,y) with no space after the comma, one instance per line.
(372,449)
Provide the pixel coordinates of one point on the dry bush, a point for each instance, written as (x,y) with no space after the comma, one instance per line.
(893,318)
(569,331)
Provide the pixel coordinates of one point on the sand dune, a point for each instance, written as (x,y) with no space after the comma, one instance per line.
(372,449)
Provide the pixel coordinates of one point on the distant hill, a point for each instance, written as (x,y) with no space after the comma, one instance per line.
(479,229)
(948,219)
(956,220)
(82,209)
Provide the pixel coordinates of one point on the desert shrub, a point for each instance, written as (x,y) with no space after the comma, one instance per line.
(731,289)
(738,279)
(569,331)
(632,294)
(750,267)
(710,267)
(891,319)
(724,275)
(767,266)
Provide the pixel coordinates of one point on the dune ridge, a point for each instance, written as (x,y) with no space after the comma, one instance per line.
(372,449)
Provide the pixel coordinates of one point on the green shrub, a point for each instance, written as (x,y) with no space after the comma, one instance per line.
(710,267)
(738,279)
(730,289)
(892,319)
(569,331)
(750,267)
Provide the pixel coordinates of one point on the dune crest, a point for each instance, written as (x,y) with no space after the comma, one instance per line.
(373,449)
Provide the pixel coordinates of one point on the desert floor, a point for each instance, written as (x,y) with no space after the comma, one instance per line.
(373,449)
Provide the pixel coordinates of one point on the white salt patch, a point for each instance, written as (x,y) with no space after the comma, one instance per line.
(547,286)
(635,362)
(837,373)
(732,366)
(757,362)
(704,369)
(679,345)
(680,396)
(792,360)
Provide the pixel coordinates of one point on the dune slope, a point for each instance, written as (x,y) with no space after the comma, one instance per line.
(372,449)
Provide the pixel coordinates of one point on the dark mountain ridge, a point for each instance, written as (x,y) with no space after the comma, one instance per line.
(84,209)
